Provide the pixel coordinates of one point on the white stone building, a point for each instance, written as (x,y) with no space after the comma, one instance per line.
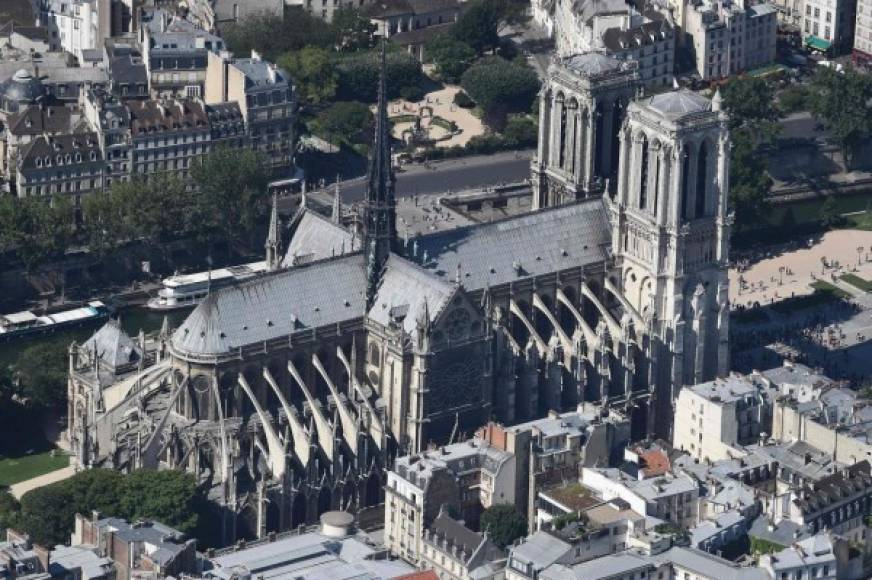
(615,28)
(863,32)
(730,37)
(464,477)
(809,558)
(671,497)
(713,418)
(828,25)
(76,25)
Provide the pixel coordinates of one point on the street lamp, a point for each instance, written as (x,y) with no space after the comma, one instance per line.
(859,254)
(781,275)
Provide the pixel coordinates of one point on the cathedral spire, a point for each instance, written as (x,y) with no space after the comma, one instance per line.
(274,238)
(380,219)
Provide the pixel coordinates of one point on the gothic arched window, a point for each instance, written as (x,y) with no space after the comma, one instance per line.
(685,182)
(701,179)
(643,175)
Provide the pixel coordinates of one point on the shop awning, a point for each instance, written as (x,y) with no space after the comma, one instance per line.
(818,43)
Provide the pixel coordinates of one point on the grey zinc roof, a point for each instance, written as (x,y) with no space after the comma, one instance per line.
(316,238)
(274,305)
(540,549)
(592,63)
(532,244)
(620,565)
(710,566)
(404,289)
(676,104)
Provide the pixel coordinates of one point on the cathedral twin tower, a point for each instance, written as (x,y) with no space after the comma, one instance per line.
(662,166)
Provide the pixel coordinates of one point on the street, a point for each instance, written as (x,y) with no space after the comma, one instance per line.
(453,175)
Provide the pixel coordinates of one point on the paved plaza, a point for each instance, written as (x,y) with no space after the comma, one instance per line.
(441,103)
(835,336)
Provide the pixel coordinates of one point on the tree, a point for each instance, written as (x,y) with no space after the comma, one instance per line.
(479,25)
(272,37)
(353,31)
(501,87)
(830,215)
(344,122)
(41,371)
(9,510)
(35,228)
(521,131)
(450,57)
(840,101)
(794,99)
(157,210)
(167,496)
(750,101)
(504,524)
(313,72)
(358,75)
(230,194)
(749,183)
(106,216)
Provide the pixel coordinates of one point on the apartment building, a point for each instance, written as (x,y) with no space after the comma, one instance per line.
(645,36)
(730,37)
(672,497)
(167,136)
(828,25)
(863,33)
(465,478)
(70,164)
(266,98)
(325,9)
(28,124)
(393,17)
(175,53)
(212,14)
(76,26)
(712,418)
(455,552)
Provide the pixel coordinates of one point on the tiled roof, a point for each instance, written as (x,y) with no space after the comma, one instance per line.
(60,150)
(166,115)
(36,120)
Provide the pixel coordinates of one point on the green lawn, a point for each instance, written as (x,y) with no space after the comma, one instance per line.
(29,466)
(858,282)
(821,286)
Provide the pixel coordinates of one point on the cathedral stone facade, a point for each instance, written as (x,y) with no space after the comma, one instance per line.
(289,394)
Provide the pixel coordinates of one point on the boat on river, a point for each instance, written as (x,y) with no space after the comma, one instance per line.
(187,290)
(28,324)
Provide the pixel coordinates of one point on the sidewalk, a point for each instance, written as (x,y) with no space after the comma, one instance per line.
(22,487)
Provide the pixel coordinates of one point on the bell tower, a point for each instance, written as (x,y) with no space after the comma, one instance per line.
(582,106)
(670,235)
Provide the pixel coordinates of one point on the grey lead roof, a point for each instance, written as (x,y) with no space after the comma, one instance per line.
(316,238)
(533,244)
(405,288)
(114,347)
(676,104)
(592,63)
(275,305)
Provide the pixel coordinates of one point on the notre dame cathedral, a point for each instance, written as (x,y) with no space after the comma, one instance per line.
(288,394)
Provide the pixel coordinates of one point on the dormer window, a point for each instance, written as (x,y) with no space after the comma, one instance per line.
(67,158)
(39,161)
(78,157)
(48,161)
(59,160)
(93,155)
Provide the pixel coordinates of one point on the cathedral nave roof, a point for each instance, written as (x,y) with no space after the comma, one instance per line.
(519,247)
(275,305)
(404,290)
(316,238)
